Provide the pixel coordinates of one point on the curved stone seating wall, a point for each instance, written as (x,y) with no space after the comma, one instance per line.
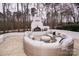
(42,51)
(34,47)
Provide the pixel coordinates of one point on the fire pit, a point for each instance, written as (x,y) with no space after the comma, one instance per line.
(47,43)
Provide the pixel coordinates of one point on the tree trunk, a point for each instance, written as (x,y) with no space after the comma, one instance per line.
(23,17)
(4,27)
(18,16)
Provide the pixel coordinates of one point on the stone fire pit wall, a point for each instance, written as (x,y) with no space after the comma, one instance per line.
(37,48)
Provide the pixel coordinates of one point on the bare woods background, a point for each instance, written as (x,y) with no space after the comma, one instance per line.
(56,15)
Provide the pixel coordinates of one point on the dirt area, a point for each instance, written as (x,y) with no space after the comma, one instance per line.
(76,47)
(12,46)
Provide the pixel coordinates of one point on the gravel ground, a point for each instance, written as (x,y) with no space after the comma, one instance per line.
(13,45)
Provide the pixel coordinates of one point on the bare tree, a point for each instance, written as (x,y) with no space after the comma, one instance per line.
(4,28)
(8,17)
(18,16)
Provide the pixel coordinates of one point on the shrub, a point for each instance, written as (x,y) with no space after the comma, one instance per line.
(71,27)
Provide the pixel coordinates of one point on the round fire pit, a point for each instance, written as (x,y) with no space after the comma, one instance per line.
(43,43)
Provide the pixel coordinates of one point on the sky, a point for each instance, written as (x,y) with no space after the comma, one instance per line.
(0,7)
(12,7)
